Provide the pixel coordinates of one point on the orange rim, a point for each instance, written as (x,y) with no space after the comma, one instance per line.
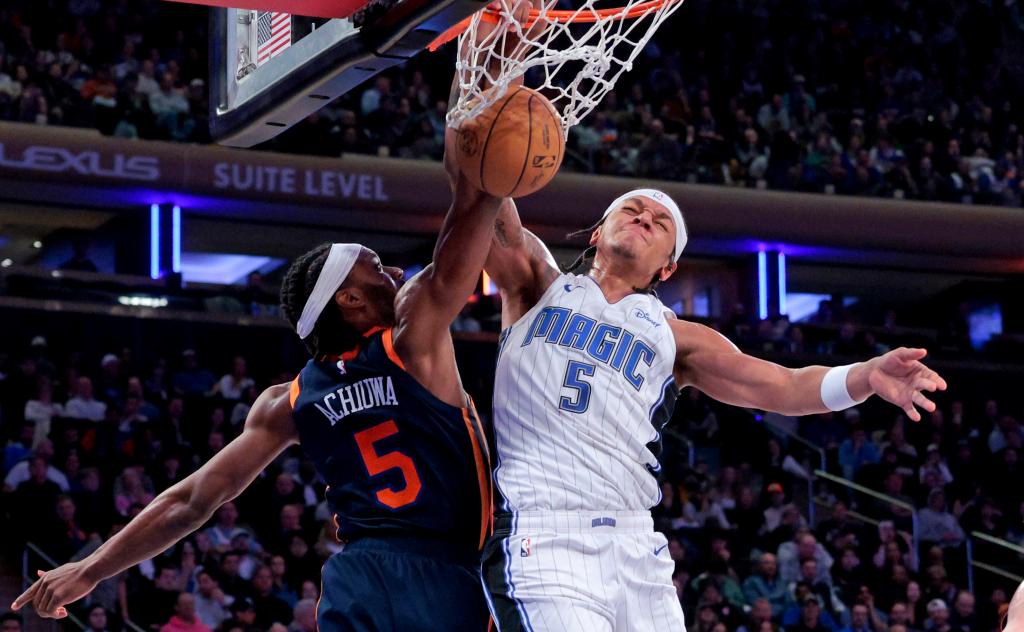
(593,15)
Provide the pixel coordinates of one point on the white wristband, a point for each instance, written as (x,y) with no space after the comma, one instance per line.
(834,393)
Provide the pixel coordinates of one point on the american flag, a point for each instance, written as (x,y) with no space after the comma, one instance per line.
(273,34)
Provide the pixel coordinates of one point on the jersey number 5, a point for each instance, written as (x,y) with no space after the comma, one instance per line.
(579,401)
(380,463)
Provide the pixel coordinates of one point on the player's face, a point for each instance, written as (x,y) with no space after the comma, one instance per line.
(641,231)
(379,283)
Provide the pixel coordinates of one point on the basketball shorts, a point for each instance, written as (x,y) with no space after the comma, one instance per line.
(580,572)
(402,585)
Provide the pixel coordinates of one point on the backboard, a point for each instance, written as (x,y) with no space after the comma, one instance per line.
(270,70)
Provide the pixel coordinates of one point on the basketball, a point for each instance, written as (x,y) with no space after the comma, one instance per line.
(514,147)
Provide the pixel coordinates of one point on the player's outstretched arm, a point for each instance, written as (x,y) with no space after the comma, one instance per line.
(706,360)
(176,512)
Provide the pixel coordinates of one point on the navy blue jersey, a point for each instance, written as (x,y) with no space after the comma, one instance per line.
(395,458)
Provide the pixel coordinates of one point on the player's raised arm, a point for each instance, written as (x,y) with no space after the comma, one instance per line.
(429,303)
(176,512)
(707,360)
(519,264)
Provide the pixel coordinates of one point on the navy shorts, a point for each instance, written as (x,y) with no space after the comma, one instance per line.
(402,584)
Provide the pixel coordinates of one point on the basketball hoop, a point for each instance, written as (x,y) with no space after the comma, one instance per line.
(582,52)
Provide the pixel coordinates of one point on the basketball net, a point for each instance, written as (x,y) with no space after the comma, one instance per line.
(572,57)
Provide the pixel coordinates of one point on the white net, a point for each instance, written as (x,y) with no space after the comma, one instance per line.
(574,57)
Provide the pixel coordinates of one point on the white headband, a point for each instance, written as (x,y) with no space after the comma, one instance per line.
(339,263)
(661,198)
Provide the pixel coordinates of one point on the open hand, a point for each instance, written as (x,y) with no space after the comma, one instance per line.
(900,378)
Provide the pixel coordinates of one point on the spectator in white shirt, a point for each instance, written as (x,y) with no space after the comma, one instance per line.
(148,84)
(20,472)
(232,385)
(83,405)
(41,410)
(168,101)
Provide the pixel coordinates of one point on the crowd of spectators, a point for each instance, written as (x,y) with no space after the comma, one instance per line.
(902,98)
(91,440)
(128,69)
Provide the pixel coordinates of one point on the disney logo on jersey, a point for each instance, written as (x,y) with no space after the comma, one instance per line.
(372,392)
(607,344)
(642,315)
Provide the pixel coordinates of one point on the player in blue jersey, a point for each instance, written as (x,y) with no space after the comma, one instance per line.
(381,411)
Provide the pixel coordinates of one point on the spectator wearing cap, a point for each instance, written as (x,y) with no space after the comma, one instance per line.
(934,469)
(937,525)
(766,584)
(243,613)
(938,617)
(38,351)
(776,504)
(192,380)
(811,617)
(109,384)
(83,405)
(185,619)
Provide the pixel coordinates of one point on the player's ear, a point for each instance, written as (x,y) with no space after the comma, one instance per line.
(667,271)
(349,297)
(596,235)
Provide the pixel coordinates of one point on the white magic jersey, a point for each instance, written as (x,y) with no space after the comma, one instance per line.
(582,391)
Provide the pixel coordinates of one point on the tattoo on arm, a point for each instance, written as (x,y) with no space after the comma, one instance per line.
(500,233)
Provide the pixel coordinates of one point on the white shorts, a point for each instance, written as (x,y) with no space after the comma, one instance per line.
(580,572)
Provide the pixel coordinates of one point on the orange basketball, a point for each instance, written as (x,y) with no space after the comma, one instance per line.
(514,147)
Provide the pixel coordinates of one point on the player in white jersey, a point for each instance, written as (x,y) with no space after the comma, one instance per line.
(589,369)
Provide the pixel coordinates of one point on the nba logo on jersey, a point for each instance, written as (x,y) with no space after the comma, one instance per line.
(341,366)
(525,547)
